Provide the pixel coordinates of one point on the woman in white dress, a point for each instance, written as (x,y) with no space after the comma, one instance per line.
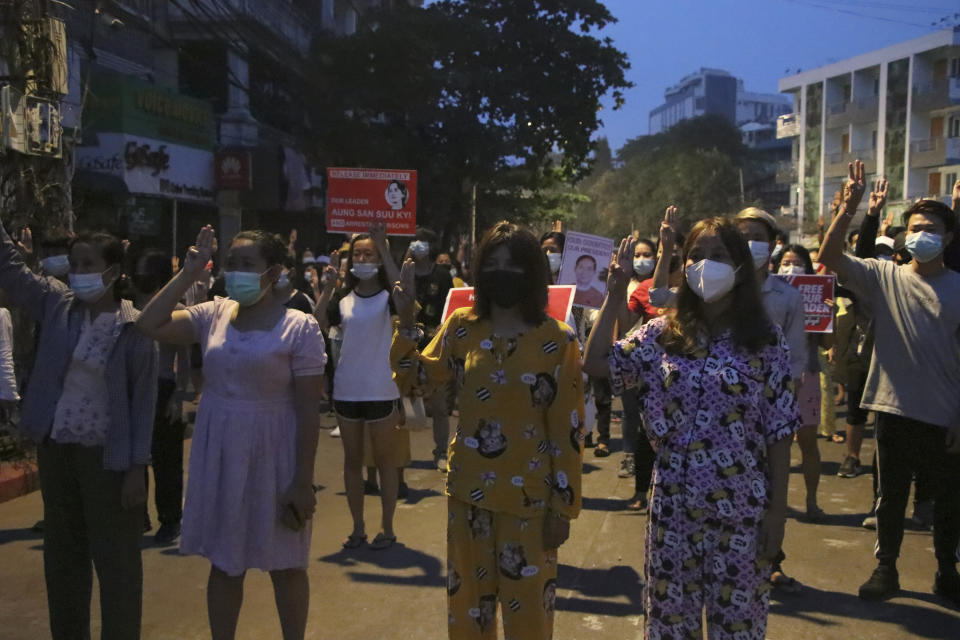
(250,484)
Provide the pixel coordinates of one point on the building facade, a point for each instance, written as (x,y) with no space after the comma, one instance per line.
(706,91)
(718,92)
(897,109)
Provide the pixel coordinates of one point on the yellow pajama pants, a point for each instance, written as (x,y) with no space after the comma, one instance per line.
(828,396)
(498,557)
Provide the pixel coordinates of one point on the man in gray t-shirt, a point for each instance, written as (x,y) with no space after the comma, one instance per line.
(914,379)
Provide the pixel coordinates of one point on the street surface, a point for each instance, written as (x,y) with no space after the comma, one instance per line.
(399,593)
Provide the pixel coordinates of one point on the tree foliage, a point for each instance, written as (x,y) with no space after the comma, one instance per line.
(504,94)
(695,165)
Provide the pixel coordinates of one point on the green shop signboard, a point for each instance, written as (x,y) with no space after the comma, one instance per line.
(120,104)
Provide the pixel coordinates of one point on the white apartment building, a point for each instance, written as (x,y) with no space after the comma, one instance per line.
(897,109)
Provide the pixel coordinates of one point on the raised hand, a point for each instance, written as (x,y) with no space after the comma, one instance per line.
(886,224)
(195,263)
(621,267)
(956,196)
(853,188)
(329,278)
(25,243)
(378,233)
(405,294)
(668,228)
(878,196)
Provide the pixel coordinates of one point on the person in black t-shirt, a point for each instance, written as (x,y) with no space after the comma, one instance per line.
(286,285)
(432,284)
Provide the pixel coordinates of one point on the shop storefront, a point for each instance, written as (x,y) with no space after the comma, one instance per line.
(145,167)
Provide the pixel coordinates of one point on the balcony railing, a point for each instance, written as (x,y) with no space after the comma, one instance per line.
(788,125)
(938,94)
(840,114)
(931,152)
(835,164)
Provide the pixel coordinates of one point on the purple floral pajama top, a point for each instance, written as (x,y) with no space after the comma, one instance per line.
(711,418)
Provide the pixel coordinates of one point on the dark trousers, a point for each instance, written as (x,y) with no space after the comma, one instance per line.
(856,381)
(167,458)
(635,439)
(603,399)
(85,528)
(904,447)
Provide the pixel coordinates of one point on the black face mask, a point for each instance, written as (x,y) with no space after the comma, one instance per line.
(503,288)
(148,282)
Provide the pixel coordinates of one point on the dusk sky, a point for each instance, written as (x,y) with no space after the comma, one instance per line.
(755,40)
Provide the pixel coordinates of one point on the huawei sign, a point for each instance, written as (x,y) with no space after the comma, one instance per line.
(233,170)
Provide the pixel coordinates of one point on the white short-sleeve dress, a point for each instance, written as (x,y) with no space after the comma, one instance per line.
(243,455)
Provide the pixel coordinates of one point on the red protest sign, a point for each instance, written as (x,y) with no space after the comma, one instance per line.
(358,198)
(559,301)
(818,302)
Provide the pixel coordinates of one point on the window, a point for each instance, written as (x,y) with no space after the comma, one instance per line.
(955,67)
(953,129)
(951,179)
(876,86)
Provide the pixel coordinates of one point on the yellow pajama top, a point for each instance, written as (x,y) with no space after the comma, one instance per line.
(518,447)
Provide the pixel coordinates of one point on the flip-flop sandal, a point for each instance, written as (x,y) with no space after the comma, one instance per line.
(382,542)
(602,451)
(839,438)
(354,540)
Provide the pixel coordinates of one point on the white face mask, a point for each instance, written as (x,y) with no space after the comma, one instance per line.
(643,266)
(791,270)
(56,266)
(554,259)
(283,282)
(711,280)
(760,252)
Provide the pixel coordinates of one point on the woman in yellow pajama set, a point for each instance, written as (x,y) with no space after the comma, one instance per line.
(514,464)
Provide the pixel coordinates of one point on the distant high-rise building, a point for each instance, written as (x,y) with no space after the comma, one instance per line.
(718,92)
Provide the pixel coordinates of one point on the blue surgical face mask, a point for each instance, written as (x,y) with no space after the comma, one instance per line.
(760,252)
(88,287)
(420,248)
(365,270)
(56,266)
(244,287)
(283,282)
(924,246)
(643,266)
(554,259)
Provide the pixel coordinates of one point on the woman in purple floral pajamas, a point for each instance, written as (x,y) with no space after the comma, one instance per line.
(718,404)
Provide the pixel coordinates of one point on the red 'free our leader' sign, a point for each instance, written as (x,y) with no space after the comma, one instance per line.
(358,198)
(559,301)
(818,305)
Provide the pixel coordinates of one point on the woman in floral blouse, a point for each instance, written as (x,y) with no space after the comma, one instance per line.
(514,463)
(718,404)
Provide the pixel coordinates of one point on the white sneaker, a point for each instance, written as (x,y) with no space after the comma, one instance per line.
(335,433)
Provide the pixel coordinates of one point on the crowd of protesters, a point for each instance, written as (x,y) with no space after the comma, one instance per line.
(703,344)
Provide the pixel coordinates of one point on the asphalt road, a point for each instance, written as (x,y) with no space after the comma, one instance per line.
(399,593)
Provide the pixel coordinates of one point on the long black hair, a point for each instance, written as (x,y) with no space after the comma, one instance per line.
(526,253)
(801,251)
(687,328)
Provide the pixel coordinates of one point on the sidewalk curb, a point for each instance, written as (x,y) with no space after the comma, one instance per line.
(18,479)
